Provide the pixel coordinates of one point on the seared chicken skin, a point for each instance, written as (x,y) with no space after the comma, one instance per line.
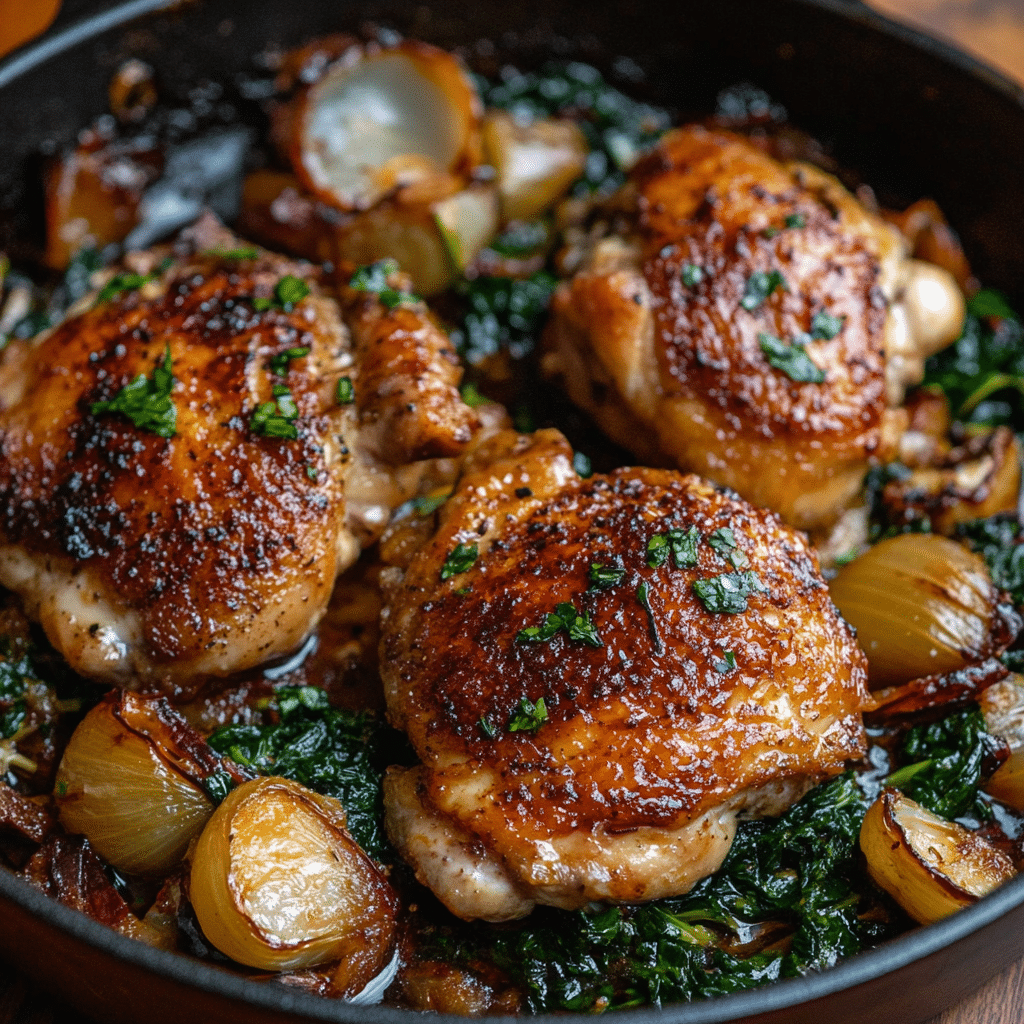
(749,321)
(155,561)
(606,752)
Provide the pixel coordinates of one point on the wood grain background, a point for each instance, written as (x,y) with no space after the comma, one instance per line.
(992,30)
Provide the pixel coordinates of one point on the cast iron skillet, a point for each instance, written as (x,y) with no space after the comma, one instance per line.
(907,114)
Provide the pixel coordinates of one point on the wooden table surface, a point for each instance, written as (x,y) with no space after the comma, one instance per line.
(994,31)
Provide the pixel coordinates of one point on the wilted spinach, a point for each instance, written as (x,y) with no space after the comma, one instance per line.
(339,753)
(800,870)
(998,540)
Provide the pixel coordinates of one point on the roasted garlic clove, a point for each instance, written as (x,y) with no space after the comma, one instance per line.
(380,120)
(930,866)
(922,605)
(277,883)
(536,162)
(132,781)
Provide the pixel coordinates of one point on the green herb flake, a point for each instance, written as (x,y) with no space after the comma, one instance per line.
(643,596)
(487,729)
(373,278)
(427,504)
(796,220)
(771,232)
(759,286)
(237,255)
(528,717)
(727,662)
(578,625)
(658,550)
(279,363)
(603,575)
(471,396)
(723,541)
(345,392)
(683,544)
(691,275)
(146,401)
(791,359)
(460,560)
(288,293)
(129,283)
(727,593)
(826,326)
(276,418)
(313,473)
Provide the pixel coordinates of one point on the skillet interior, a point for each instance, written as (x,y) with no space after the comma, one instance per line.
(904,113)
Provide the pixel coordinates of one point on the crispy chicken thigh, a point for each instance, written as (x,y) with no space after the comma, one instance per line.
(749,321)
(607,752)
(155,561)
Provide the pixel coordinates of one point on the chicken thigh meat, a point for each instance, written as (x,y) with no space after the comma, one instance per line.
(600,677)
(182,477)
(749,321)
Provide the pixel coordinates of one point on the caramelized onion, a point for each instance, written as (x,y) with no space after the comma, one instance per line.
(130,782)
(921,604)
(536,163)
(383,119)
(930,866)
(1003,707)
(278,883)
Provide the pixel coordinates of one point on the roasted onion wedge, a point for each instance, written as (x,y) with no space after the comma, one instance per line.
(922,605)
(278,883)
(1003,707)
(382,119)
(134,781)
(536,162)
(930,866)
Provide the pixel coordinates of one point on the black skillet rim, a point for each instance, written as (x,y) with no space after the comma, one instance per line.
(870,965)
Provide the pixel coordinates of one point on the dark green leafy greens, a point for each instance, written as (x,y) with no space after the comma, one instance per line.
(982,373)
(999,541)
(146,401)
(342,754)
(17,673)
(799,870)
(943,765)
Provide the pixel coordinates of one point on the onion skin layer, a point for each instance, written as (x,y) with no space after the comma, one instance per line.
(131,782)
(922,605)
(277,883)
(930,866)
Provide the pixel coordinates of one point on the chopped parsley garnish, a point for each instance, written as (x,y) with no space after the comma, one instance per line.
(759,286)
(796,220)
(345,393)
(727,593)
(528,717)
(727,662)
(657,550)
(279,363)
(487,729)
(682,544)
(129,283)
(576,624)
(471,396)
(276,418)
(723,541)
(428,504)
(373,278)
(460,560)
(250,253)
(313,473)
(643,595)
(603,575)
(791,359)
(825,325)
(146,401)
(691,275)
(290,291)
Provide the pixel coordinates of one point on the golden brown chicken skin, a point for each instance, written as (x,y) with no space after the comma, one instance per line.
(607,758)
(157,561)
(749,321)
